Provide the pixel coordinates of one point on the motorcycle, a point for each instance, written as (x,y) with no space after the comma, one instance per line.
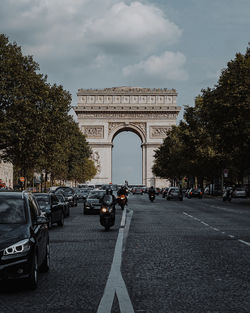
(122,201)
(227,195)
(151,197)
(107,215)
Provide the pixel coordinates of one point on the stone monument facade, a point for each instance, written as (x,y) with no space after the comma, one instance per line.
(104,113)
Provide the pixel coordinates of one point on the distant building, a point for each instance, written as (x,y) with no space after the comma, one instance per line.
(6,174)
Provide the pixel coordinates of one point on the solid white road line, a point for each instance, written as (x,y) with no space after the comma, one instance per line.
(115,282)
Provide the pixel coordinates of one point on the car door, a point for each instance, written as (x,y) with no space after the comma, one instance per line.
(38,230)
(56,210)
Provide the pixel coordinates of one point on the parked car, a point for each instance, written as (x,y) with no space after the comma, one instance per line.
(52,208)
(174,193)
(24,238)
(239,192)
(92,204)
(65,203)
(194,193)
(69,194)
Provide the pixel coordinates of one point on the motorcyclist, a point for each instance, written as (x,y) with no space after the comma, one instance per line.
(123,191)
(108,198)
(151,191)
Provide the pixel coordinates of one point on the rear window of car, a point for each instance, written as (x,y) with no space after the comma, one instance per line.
(12,211)
(96,194)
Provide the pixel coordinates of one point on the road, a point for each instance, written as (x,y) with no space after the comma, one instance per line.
(178,257)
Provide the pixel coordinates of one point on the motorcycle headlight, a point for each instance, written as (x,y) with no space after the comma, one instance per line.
(19,247)
(104,210)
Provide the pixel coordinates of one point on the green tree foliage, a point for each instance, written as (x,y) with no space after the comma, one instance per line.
(36,131)
(215,133)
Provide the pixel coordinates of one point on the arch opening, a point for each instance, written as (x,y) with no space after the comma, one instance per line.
(127,157)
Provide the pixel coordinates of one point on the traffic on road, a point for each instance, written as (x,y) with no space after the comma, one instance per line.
(164,255)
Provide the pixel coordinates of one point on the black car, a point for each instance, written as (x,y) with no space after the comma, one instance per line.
(52,208)
(194,193)
(82,193)
(69,194)
(65,203)
(24,238)
(92,204)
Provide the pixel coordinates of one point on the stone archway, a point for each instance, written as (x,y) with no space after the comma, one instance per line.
(103,113)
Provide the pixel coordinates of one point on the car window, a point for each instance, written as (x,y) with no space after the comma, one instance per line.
(43,200)
(12,211)
(34,212)
(95,195)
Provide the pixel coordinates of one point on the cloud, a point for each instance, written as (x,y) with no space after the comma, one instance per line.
(135,26)
(167,66)
(66,27)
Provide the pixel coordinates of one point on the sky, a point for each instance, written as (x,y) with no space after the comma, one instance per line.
(180,44)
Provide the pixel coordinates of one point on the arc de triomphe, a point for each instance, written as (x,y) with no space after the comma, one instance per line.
(104,113)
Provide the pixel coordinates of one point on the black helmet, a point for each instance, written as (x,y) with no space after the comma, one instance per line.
(109,191)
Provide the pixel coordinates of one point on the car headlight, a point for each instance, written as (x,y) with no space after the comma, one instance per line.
(104,210)
(19,247)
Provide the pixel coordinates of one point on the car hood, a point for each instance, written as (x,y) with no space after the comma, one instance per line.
(12,233)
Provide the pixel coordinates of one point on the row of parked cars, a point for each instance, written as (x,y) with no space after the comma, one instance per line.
(25,219)
(171,193)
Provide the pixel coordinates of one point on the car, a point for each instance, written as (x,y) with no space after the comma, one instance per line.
(65,203)
(92,203)
(24,238)
(194,193)
(69,194)
(137,191)
(174,193)
(239,192)
(82,193)
(52,207)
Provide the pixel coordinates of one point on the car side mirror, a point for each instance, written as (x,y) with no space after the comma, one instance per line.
(41,220)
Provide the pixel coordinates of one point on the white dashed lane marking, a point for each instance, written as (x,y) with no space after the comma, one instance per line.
(216,229)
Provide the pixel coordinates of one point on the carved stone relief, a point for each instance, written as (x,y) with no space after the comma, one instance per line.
(159,131)
(141,126)
(96,158)
(136,116)
(95,132)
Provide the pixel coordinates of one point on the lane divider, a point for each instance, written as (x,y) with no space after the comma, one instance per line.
(216,229)
(115,283)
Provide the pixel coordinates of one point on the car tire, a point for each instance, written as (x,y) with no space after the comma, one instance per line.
(46,262)
(61,222)
(32,281)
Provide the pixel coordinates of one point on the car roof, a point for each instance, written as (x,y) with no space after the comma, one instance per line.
(14,194)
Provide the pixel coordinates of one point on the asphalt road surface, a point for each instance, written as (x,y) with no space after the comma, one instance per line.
(178,257)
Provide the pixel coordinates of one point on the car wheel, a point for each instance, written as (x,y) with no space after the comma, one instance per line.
(46,262)
(61,222)
(33,278)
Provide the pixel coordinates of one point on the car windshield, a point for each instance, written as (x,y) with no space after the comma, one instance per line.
(42,200)
(12,211)
(96,194)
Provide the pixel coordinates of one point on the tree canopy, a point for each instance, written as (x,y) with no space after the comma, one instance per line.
(215,133)
(36,130)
